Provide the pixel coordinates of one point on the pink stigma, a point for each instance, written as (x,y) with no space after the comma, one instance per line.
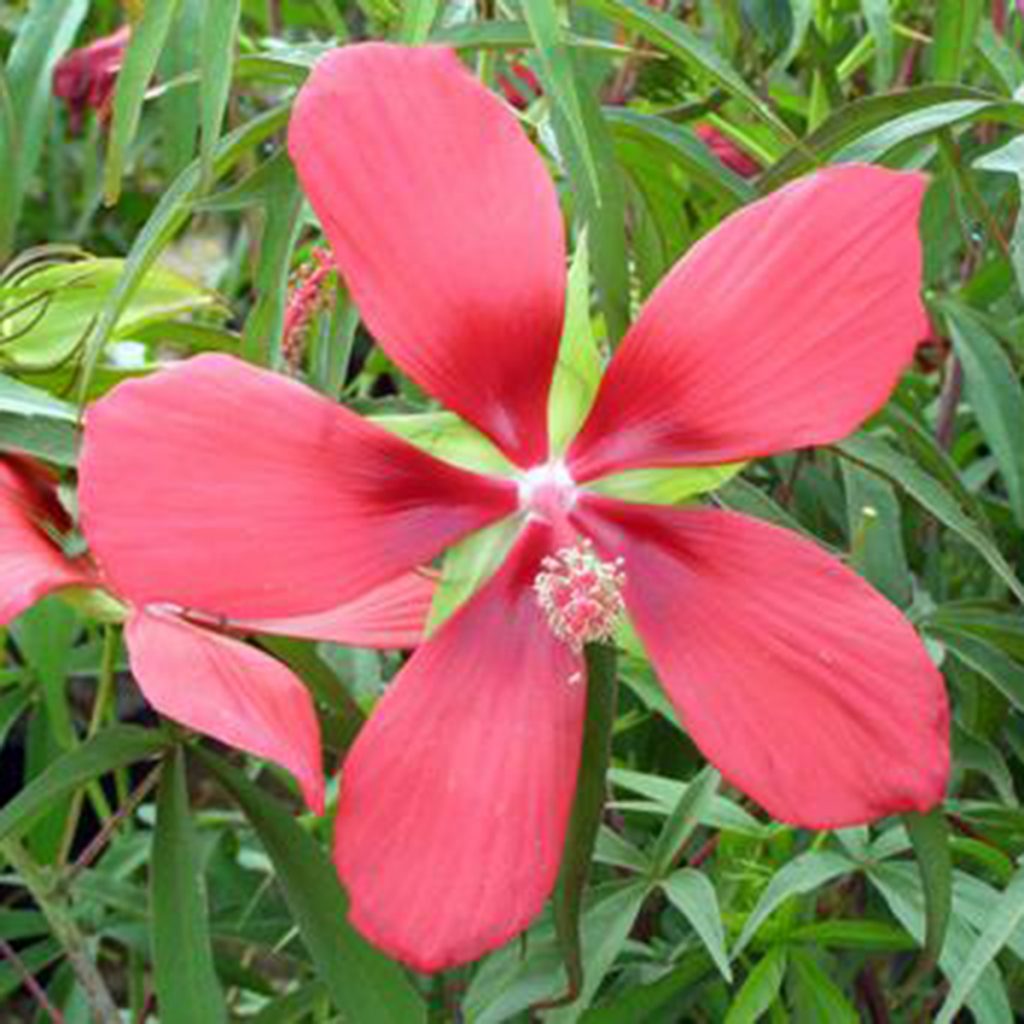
(580,595)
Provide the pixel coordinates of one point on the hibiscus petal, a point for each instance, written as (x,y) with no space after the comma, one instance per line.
(806,688)
(230,691)
(391,615)
(785,327)
(455,797)
(221,487)
(446,227)
(31,564)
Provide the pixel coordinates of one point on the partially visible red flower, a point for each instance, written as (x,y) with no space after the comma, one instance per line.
(85,78)
(727,151)
(519,85)
(192,667)
(304,299)
(785,327)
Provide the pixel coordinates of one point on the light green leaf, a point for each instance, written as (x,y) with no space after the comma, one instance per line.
(45,31)
(760,989)
(800,876)
(1006,918)
(140,59)
(665,486)
(995,395)
(216,63)
(579,366)
(468,564)
(691,807)
(932,496)
(693,895)
(449,437)
(67,299)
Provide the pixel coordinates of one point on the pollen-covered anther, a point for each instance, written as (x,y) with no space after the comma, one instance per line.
(580,594)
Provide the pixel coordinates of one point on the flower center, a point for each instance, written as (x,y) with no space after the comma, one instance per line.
(547,492)
(580,595)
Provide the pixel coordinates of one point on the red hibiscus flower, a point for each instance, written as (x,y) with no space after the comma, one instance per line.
(226,487)
(727,151)
(86,77)
(190,667)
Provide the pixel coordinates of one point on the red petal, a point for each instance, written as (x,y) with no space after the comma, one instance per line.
(230,691)
(446,227)
(31,564)
(455,797)
(225,488)
(786,326)
(803,685)
(391,615)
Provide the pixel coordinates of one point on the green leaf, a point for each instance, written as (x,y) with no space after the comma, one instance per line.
(876,535)
(956,23)
(1006,918)
(900,886)
(929,835)
(691,807)
(62,301)
(800,876)
(365,985)
(693,895)
(760,989)
(601,945)
(1009,159)
(932,496)
(418,17)
(114,747)
(579,366)
(934,105)
(995,395)
(984,658)
(817,992)
(878,15)
(668,33)
(170,214)
(140,59)
(45,31)
(665,486)
(673,146)
(448,437)
(586,148)
(186,982)
(470,563)
(216,63)
(35,423)
(282,221)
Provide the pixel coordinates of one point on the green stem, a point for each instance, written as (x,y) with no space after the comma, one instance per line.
(53,904)
(586,814)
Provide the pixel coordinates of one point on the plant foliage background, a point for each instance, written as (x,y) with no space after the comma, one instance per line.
(146,870)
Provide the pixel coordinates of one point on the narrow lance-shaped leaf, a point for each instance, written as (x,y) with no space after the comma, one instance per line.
(216,64)
(929,835)
(186,982)
(112,748)
(996,397)
(140,60)
(1006,919)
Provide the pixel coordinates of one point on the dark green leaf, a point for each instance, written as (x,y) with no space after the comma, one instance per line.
(186,982)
